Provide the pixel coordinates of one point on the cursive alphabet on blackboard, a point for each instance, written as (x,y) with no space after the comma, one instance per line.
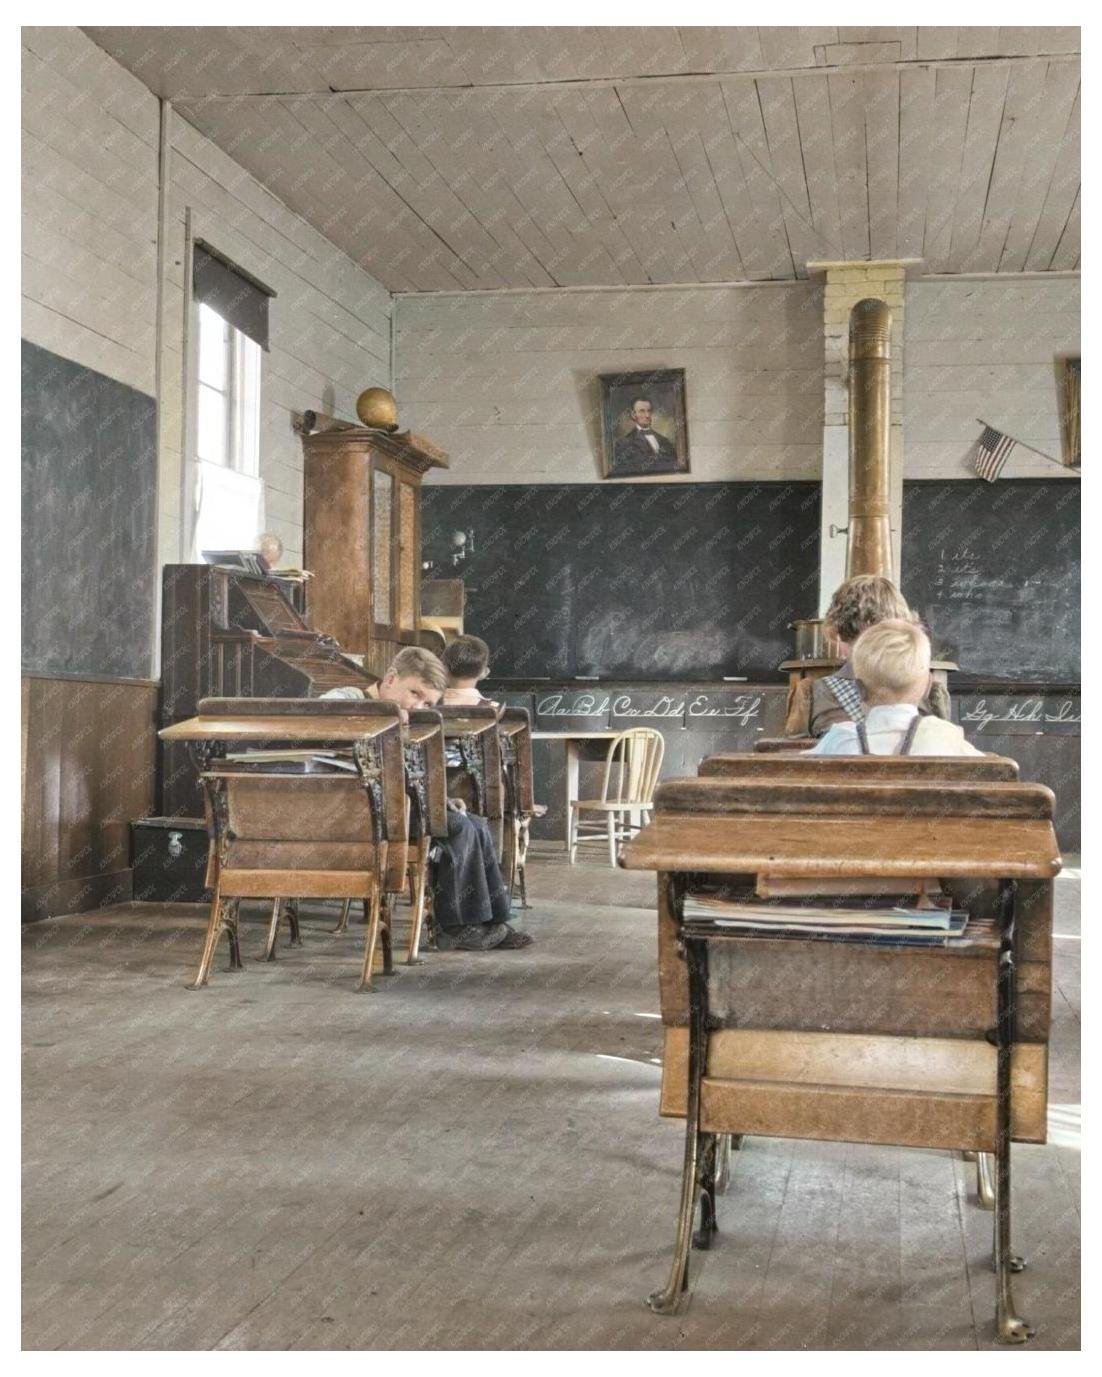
(1044,712)
(580,705)
(744,707)
(663,706)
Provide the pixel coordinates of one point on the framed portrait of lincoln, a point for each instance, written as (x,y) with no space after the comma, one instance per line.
(644,429)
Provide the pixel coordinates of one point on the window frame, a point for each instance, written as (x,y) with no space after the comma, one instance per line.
(241,441)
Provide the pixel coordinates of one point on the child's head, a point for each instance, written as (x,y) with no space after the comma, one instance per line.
(415,679)
(467,659)
(861,602)
(892,662)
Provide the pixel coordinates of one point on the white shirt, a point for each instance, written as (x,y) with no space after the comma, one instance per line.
(649,436)
(885,728)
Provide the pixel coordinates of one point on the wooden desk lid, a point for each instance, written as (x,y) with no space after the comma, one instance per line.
(808,768)
(874,798)
(849,847)
(298,707)
(336,727)
(462,720)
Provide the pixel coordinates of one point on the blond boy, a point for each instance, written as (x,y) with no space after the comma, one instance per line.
(891,664)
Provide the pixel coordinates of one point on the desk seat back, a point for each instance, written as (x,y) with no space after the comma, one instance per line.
(718,796)
(296,822)
(884,768)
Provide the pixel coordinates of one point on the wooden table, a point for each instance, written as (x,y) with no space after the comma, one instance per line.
(572,741)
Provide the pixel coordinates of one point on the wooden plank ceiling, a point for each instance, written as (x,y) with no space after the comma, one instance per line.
(471,158)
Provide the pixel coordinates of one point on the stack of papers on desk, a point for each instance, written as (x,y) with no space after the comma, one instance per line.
(293,756)
(933,924)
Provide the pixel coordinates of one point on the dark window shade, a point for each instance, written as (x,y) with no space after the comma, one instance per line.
(238,298)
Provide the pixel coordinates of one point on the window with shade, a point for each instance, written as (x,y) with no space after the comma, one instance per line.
(230,331)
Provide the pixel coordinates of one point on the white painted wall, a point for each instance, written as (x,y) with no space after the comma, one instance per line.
(90,133)
(507,382)
(985,348)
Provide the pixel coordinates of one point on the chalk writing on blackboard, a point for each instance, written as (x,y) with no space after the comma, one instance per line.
(743,707)
(1015,715)
(576,705)
(663,706)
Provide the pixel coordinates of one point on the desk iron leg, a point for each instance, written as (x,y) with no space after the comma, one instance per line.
(372,939)
(222,914)
(385,934)
(985,1180)
(666,1301)
(418,876)
(273,931)
(1009,1328)
(709,1160)
(342,921)
(231,911)
(723,1163)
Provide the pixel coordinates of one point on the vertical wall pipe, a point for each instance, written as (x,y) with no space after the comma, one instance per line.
(869,549)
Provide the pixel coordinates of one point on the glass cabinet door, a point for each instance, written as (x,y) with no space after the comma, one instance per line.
(382,504)
(408,550)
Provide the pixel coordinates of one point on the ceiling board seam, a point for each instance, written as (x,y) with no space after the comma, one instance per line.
(1035,274)
(777,186)
(446,266)
(722,203)
(619,229)
(905,64)
(960,170)
(448,187)
(775,181)
(1052,174)
(1067,222)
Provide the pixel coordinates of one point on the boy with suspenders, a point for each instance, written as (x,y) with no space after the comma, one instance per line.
(891,672)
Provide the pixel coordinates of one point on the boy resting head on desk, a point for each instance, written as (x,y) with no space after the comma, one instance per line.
(415,679)
(471,905)
(891,663)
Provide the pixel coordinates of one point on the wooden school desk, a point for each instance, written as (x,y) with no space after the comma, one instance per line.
(853,1040)
(283,829)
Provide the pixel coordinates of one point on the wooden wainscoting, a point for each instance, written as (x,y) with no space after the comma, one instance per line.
(88,763)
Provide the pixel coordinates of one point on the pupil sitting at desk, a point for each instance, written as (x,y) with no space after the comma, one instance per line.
(470,902)
(467,660)
(857,604)
(891,668)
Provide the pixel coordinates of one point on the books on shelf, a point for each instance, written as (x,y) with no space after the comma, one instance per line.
(922,922)
(262,757)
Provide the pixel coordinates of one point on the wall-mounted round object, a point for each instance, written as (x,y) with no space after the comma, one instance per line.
(377,409)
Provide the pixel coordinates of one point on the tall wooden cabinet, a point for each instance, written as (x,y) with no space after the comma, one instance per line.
(362,537)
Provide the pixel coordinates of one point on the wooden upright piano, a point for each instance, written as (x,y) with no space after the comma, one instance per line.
(227,634)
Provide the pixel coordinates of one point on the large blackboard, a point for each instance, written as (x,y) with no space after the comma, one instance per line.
(659,581)
(994,570)
(89,483)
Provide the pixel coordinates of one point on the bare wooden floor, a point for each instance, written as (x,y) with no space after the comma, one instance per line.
(471,1158)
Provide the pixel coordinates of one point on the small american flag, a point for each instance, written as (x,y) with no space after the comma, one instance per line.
(990,453)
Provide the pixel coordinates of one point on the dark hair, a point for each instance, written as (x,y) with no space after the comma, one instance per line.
(467,657)
(640,399)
